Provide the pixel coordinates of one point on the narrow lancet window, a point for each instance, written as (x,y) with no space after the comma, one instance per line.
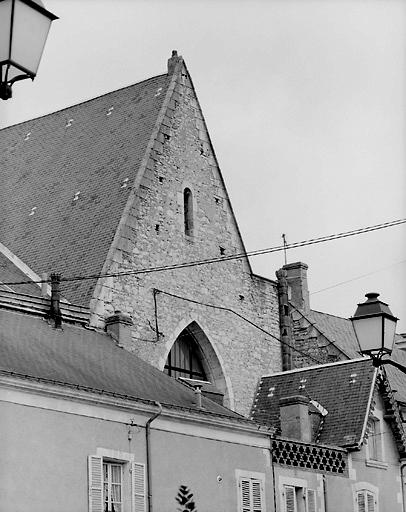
(188,211)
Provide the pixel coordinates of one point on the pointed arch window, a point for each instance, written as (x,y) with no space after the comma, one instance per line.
(185,358)
(188,211)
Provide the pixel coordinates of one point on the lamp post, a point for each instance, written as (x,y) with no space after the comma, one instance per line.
(374,326)
(24,27)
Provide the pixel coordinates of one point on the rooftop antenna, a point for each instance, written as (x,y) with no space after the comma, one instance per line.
(284,247)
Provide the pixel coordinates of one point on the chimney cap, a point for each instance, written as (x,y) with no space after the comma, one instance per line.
(294,399)
(119,317)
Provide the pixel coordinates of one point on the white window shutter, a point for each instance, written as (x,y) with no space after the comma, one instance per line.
(370,502)
(310,500)
(257,505)
(245,495)
(95,470)
(138,487)
(361,501)
(290,499)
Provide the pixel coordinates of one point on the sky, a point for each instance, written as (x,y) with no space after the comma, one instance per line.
(305,105)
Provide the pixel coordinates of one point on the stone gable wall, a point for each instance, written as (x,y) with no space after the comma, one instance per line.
(154,235)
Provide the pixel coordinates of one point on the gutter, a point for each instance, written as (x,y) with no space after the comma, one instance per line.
(148,453)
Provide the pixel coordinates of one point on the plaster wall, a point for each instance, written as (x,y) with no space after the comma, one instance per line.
(154,235)
(44,461)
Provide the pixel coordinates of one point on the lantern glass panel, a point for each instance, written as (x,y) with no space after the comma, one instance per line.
(30,32)
(369,332)
(389,333)
(5,26)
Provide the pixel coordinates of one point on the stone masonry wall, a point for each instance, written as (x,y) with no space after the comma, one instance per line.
(154,235)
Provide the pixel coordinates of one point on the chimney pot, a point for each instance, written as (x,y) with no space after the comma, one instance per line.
(55,313)
(119,327)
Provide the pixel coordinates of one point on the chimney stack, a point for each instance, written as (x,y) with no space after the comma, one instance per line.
(55,313)
(295,418)
(119,327)
(173,61)
(285,320)
(297,281)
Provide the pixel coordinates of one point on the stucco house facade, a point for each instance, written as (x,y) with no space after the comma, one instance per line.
(347,404)
(87,426)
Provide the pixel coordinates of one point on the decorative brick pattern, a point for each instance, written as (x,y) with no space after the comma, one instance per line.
(306,456)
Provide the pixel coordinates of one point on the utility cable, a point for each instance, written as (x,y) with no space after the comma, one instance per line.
(223,258)
(223,308)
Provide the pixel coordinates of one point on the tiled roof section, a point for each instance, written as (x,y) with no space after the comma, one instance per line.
(10,273)
(80,357)
(66,178)
(396,378)
(343,389)
(338,330)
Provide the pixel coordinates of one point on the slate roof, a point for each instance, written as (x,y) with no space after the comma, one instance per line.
(341,332)
(89,148)
(338,330)
(342,388)
(11,273)
(75,356)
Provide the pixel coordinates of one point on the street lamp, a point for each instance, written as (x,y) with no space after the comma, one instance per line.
(374,326)
(24,27)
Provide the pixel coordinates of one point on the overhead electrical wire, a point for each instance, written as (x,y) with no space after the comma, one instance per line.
(222,258)
(223,308)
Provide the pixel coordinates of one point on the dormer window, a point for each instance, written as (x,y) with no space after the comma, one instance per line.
(188,211)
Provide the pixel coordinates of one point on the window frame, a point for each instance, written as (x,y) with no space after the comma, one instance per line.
(133,481)
(253,478)
(366,489)
(109,464)
(302,492)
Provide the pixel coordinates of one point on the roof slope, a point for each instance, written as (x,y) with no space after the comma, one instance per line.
(337,330)
(94,148)
(342,388)
(29,346)
(9,273)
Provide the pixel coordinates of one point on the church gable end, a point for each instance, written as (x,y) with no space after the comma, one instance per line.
(180,212)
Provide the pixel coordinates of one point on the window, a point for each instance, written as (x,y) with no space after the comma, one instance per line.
(366,501)
(116,483)
(185,358)
(374,439)
(299,499)
(112,487)
(188,211)
(250,491)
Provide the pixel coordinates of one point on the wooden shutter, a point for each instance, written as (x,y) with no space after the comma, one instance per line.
(290,499)
(245,495)
(361,501)
(138,487)
(256,496)
(310,500)
(370,502)
(95,470)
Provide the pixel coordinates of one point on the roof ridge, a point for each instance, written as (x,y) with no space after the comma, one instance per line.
(81,102)
(306,368)
(329,314)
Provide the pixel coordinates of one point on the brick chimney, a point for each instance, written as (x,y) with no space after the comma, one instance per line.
(173,61)
(297,281)
(285,320)
(295,418)
(119,327)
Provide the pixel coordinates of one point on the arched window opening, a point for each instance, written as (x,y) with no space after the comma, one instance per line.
(185,358)
(188,211)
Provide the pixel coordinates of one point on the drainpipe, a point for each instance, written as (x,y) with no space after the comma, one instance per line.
(402,483)
(325,492)
(148,453)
